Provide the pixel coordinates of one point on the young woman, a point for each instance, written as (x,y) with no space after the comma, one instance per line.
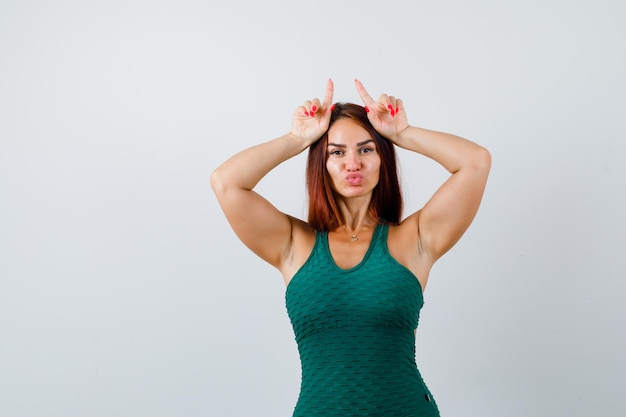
(355,271)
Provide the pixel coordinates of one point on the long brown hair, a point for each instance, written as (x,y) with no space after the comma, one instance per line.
(386,204)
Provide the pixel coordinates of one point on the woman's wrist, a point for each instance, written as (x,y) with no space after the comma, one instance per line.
(404,137)
(297,139)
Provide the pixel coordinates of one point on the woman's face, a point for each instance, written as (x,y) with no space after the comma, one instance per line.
(352,159)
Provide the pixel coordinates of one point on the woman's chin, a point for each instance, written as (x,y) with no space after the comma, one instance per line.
(354,192)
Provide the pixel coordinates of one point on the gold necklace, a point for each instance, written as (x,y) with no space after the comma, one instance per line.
(353,236)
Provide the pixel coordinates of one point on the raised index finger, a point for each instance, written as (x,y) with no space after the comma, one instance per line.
(365,97)
(328,96)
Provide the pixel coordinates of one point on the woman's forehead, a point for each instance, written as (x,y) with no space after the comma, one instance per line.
(347,132)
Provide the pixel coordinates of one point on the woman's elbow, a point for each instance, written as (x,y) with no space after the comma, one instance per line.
(481,159)
(218,184)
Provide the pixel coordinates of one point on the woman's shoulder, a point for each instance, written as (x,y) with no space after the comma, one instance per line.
(403,239)
(301,228)
(302,236)
(302,243)
(404,245)
(407,228)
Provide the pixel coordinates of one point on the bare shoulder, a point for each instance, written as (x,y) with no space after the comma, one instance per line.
(404,246)
(403,239)
(302,242)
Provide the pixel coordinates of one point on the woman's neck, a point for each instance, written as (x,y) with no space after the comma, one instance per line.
(356,214)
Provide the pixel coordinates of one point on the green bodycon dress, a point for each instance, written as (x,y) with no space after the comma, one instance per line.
(355,334)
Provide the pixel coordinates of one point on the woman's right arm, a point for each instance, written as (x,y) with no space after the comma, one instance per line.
(259,225)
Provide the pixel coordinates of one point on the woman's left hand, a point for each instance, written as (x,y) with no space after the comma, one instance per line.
(387,115)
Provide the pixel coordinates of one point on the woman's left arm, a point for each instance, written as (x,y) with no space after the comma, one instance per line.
(449,212)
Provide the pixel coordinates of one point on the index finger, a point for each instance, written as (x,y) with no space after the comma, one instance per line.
(328,96)
(365,97)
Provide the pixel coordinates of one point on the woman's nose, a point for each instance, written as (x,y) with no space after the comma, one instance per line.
(353,162)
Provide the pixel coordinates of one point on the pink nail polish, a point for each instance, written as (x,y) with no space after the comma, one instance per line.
(367,109)
(311,114)
(390,107)
(314,109)
(393,113)
(332,108)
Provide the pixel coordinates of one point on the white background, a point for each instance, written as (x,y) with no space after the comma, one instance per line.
(123,292)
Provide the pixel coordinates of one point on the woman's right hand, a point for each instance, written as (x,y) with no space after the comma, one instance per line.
(310,121)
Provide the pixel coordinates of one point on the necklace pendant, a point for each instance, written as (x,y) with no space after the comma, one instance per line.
(354,237)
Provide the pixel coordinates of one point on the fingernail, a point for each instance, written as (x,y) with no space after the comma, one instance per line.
(311,114)
(367,109)
(393,112)
(332,108)
(314,109)
(390,107)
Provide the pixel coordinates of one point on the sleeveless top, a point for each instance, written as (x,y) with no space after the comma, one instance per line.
(355,334)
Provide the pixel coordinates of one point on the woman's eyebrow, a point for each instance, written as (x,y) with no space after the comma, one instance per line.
(338,145)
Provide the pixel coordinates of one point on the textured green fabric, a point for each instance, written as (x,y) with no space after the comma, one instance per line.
(355,334)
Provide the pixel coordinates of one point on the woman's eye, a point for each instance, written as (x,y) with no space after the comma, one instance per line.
(336,152)
(366,150)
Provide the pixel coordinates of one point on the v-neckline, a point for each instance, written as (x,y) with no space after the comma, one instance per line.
(365,256)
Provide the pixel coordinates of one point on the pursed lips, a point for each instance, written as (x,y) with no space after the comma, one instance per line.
(354,178)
